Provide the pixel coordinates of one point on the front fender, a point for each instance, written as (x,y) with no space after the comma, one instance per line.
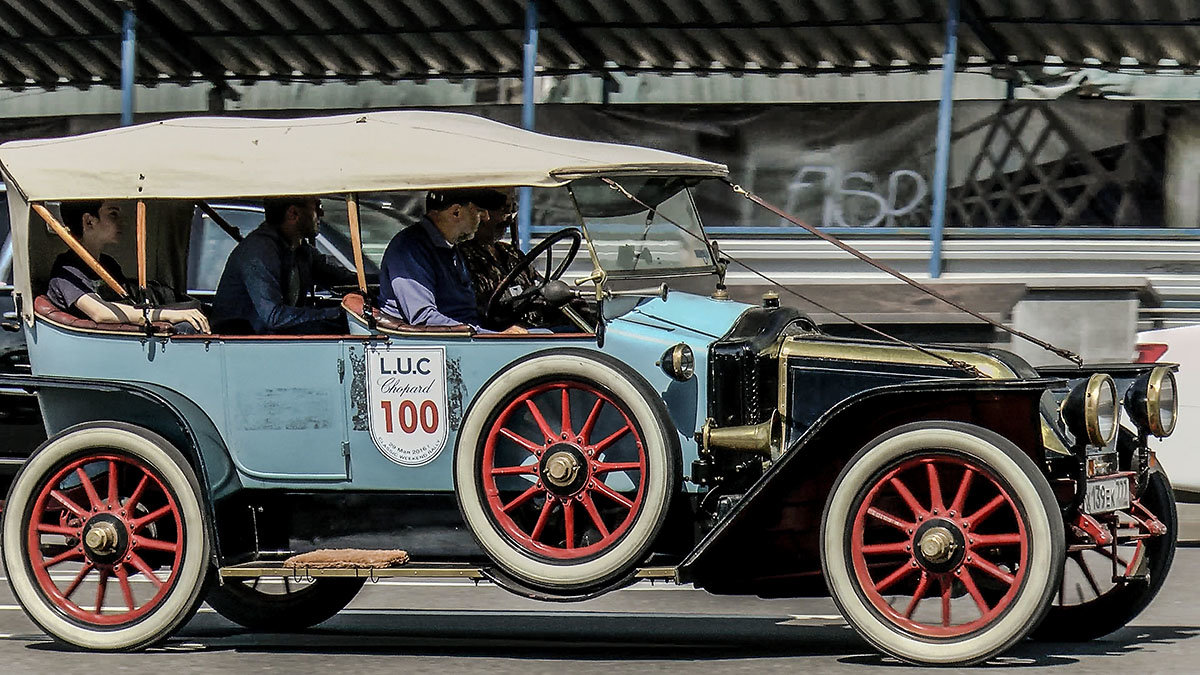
(768,543)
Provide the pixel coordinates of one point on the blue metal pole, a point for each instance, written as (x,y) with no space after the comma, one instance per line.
(128,51)
(525,194)
(941,162)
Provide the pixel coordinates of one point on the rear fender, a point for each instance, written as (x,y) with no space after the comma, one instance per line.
(768,544)
(67,402)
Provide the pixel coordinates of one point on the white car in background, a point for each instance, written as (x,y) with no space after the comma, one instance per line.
(1178,451)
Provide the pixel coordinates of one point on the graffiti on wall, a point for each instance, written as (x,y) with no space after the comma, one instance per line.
(857,198)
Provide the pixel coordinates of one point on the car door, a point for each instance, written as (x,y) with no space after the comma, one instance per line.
(285,407)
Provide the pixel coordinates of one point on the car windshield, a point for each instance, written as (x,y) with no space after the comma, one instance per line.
(630,239)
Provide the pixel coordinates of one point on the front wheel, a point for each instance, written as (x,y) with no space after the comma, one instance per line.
(282,604)
(104,539)
(1090,603)
(942,543)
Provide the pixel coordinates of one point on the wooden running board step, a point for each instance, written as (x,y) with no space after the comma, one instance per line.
(425,570)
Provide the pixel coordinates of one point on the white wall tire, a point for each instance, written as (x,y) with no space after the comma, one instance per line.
(990,545)
(577,530)
(163,528)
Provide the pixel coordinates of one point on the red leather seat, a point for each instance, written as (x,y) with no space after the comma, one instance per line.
(354,304)
(49,311)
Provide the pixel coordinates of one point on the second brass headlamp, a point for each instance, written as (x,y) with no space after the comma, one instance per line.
(1152,402)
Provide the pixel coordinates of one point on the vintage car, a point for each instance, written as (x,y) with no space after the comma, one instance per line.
(949,499)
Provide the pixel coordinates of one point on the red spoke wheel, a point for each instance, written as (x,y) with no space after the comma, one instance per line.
(1090,603)
(565,479)
(119,513)
(938,562)
(574,490)
(936,542)
(104,542)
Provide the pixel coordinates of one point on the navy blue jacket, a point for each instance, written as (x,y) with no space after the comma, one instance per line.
(424,281)
(267,287)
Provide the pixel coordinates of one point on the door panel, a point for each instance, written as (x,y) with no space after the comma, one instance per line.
(286,408)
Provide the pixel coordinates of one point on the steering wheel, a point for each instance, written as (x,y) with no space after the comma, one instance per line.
(501,305)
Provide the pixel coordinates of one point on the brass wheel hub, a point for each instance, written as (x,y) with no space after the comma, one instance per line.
(101,537)
(562,468)
(937,545)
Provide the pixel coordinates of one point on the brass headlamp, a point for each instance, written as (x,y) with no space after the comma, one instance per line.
(1091,411)
(678,362)
(1152,402)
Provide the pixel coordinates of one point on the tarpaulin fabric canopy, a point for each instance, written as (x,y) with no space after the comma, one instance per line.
(202,157)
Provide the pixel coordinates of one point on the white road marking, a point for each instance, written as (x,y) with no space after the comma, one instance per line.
(644,585)
(797,619)
(816,617)
(394,610)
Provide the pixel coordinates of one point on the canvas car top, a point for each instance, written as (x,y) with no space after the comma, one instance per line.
(205,157)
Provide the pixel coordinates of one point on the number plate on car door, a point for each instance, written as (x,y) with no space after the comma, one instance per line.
(1106,495)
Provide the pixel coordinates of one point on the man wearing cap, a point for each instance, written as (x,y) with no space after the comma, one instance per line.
(423,279)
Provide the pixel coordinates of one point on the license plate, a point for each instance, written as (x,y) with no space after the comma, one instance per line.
(1106,495)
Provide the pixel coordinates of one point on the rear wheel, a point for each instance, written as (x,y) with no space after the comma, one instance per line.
(942,543)
(282,604)
(104,540)
(1090,604)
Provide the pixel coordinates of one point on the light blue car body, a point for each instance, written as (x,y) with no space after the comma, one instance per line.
(290,413)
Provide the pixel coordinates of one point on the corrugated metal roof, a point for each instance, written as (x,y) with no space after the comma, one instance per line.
(54,43)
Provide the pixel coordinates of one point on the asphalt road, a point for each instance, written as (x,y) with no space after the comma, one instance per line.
(455,627)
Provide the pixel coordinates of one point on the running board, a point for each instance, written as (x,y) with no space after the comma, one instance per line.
(261,568)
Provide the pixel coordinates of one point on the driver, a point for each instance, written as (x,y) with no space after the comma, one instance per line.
(422,279)
(489,260)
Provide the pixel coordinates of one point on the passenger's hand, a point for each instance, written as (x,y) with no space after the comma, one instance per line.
(192,316)
(516,330)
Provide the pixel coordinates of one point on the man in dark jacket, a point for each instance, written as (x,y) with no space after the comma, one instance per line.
(269,279)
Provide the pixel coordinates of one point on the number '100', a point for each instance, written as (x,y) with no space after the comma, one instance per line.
(410,416)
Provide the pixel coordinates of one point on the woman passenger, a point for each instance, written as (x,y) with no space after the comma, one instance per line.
(75,287)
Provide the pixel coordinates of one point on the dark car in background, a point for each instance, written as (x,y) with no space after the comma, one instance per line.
(21,427)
